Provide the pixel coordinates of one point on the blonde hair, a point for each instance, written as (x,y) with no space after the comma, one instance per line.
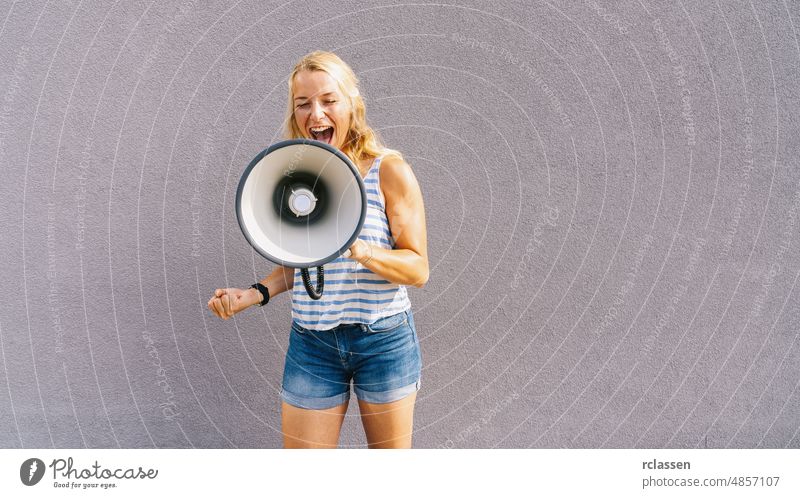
(361,140)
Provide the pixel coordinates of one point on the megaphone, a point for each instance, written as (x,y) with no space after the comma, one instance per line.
(301,203)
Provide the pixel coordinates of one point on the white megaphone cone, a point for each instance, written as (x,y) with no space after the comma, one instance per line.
(301,203)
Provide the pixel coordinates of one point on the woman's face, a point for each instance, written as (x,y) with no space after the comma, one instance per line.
(320,110)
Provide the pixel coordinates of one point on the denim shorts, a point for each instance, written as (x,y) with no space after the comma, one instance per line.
(382,359)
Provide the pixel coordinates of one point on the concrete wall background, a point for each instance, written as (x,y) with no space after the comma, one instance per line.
(611,191)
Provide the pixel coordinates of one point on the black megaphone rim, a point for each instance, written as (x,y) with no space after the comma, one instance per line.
(280,145)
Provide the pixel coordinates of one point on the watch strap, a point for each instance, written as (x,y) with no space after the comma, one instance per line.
(264,293)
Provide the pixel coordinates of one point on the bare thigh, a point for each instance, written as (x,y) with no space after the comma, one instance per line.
(304,428)
(388,425)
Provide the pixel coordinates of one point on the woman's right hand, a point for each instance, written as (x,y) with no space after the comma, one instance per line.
(227,302)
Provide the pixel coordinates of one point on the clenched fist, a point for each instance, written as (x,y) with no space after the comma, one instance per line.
(228,302)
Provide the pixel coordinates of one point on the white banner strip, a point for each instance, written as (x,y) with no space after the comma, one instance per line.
(333,473)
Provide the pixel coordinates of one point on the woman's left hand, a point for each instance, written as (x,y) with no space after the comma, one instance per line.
(359,251)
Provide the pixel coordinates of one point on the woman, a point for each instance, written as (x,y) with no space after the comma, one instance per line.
(362,328)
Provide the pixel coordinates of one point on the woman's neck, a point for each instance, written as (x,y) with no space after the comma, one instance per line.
(364,164)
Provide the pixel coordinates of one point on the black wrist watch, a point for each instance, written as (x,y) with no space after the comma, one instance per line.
(264,293)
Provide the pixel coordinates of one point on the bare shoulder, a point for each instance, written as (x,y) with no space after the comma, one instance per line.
(397,178)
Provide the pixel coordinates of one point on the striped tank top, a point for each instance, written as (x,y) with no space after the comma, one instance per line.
(353,293)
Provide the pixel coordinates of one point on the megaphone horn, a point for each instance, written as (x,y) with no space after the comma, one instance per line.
(301,203)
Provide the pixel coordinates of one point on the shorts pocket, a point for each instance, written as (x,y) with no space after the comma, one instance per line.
(388,323)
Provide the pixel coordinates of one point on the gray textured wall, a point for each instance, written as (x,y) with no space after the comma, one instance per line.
(612,194)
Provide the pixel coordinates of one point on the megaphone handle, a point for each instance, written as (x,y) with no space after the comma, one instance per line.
(312,292)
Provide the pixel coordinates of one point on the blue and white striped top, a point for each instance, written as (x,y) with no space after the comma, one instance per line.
(353,293)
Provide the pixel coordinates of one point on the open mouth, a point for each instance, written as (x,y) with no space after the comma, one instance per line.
(322,133)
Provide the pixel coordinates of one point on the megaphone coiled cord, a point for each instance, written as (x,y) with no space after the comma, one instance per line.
(313,293)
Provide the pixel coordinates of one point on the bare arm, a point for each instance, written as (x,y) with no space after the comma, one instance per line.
(227,302)
(280,280)
(407,263)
